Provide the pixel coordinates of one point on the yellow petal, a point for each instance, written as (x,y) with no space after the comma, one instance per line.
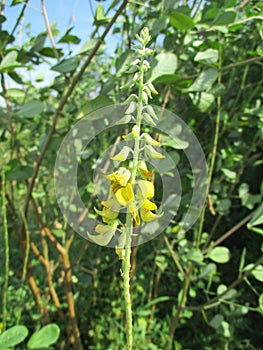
(147,188)
(121,176)
(125,195)
(149,205)
(115,187)
(145,173)
(136,217)
(147,215)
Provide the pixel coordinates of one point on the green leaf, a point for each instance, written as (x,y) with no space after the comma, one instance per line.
(229,174)
(18,172)
(31,108)
(45,337)
(229,294)
(225,18)
(17,95)
(204,81)
(123,61)
(88,46)
(66,66)
(203,101)
(216,321)
(39,42)
(16,2)
(181,21)
(257,273)
(260,302)
(257,219)
(69,38)
(195,256)
(174,142)
(99,16)
(166,65)
(207,56)
(12,337)
(92,105)
(2,19)
(161,262)
(221,255)
(9,62)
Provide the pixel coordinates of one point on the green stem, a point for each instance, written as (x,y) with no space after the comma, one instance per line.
(24,271)
(126,266)
(214,151)
(5,289)
(126,263)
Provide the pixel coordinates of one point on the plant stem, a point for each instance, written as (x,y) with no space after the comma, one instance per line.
(214,151)
(126,263)
(5,289)
(126,266)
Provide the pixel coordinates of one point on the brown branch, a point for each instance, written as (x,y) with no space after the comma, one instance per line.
(49,31)
(64,100)
(228,233)
(75,338)
(180,307)
(2,7)
(231,286)
(232,65)
(51,287)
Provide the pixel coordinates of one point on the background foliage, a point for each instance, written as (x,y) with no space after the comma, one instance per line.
(199,290)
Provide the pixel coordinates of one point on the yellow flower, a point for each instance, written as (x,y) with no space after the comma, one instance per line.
(145,173)
(121,176)
(147,215)
(147,188)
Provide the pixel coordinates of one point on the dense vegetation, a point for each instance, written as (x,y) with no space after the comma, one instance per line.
(199,289)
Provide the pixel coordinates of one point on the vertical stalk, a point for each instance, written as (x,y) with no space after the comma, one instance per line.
(6,239)
(214,149)
(25,264)
(126,263)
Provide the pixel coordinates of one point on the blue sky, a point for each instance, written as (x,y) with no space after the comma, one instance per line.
(67,13)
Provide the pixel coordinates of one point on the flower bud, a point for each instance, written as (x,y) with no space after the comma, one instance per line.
(136,131)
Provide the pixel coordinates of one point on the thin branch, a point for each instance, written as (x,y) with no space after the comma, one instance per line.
(44,11)
(229,233)
(180,307)
(229,66)
(174,256)
(19,17)
(64,100)
(231,286)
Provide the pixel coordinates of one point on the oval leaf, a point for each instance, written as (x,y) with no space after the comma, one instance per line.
(12,337)
(220,255)
(181,21)
(31,108)
(166,65)
(46,336)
